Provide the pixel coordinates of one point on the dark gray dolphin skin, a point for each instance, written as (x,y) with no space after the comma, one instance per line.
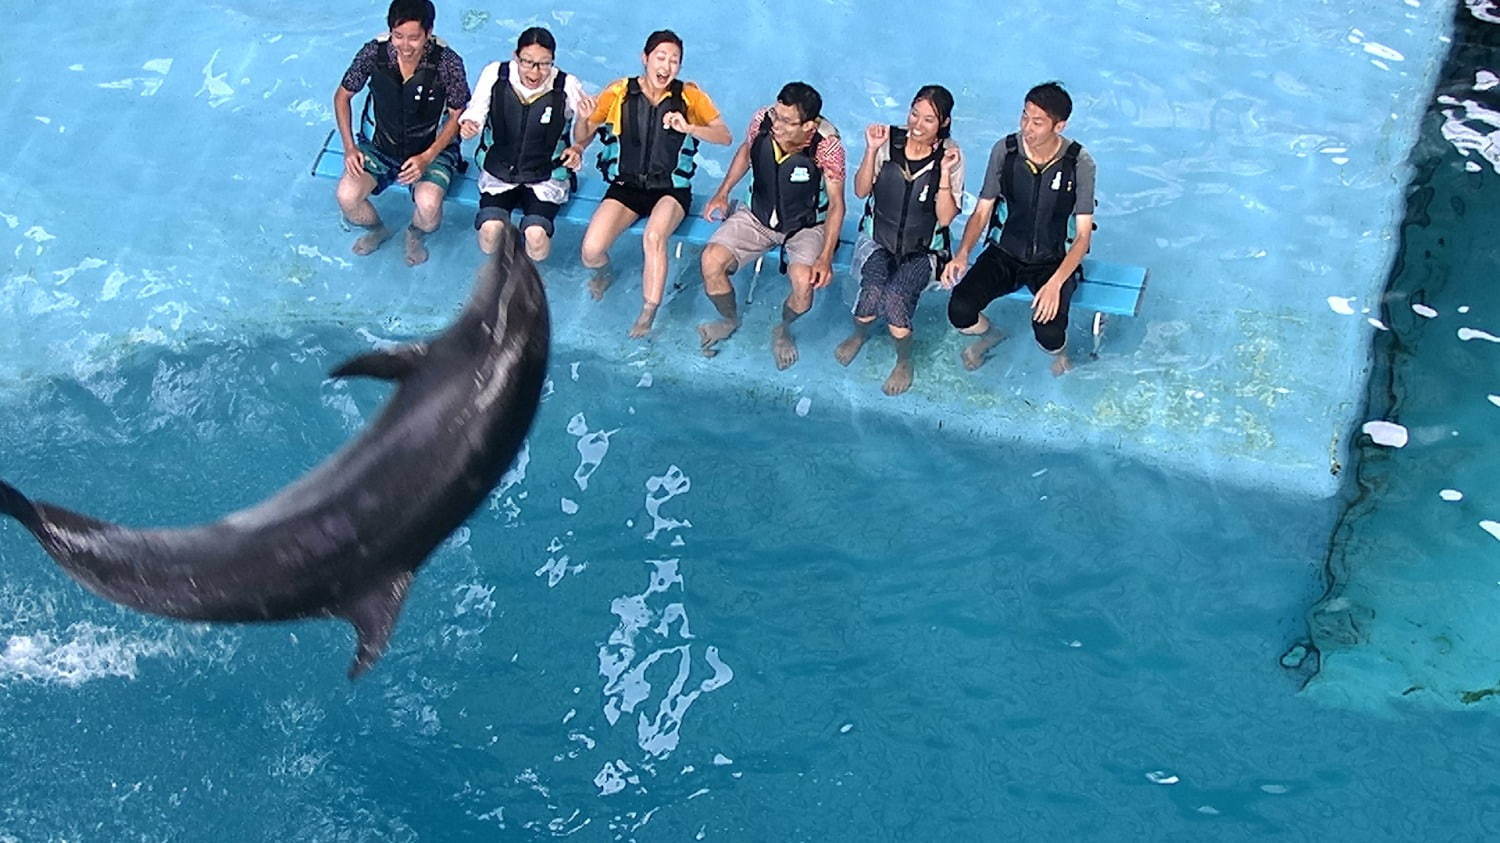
(344,540)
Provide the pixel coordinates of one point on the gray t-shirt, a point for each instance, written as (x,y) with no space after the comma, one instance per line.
(1083,183)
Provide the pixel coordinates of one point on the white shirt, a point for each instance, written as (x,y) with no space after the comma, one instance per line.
(554,190)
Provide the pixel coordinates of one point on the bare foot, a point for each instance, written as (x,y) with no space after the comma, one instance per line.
(371,241)
(603,277)
(710,334)
(900,379)
(416,249)
(1061,365)
(979,350)
(643,322)
(783,347)
(849,348)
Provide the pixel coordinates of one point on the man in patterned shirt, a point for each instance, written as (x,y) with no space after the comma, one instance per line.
(415,82)
(796,202)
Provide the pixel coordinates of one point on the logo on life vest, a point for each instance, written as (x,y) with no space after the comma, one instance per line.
(800,174)
(922,197)
(1056,181)
(547,116)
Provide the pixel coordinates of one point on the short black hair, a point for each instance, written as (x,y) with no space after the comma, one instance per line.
(421,11)
(941,100)
(1051,98)
(660,37)
(806,99)
(538,35)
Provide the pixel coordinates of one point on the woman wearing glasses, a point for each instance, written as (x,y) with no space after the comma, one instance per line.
(528,157)
(650,125)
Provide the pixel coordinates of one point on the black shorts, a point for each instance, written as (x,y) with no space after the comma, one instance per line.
(641,201)
(534,212)
(996,273)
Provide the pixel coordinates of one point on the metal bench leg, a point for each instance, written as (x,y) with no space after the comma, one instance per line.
(1098,334)
(754,277)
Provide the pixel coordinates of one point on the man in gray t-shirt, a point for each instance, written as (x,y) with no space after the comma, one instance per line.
(1045,184)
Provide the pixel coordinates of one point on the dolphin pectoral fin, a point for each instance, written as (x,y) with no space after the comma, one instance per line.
(374,616)
(390,364)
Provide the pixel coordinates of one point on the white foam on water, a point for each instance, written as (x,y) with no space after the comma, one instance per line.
(1386,433)
(1341,305)
(1377,324)
(592,447)
(1467,334)
(569,506)
(1494,399)
(1424,310)
(1463,308)
(78,654)
(1382,51)
(646,381)
(1485,10)
(1162,777)
(661,489)
(162,66)
(1451,495)
(573,371)
(803,405)
(1485,80)
(1276,789)
(722,760)
(218,91)
(37,234)
(1491,527)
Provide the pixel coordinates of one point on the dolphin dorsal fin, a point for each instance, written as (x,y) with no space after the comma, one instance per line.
(374,616)
(390,364)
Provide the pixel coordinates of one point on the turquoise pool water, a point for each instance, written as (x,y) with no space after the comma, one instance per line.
(710,603)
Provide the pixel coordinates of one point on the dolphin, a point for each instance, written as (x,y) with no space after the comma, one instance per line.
(345,539)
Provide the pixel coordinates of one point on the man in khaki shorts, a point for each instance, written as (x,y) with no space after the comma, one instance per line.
(796,202)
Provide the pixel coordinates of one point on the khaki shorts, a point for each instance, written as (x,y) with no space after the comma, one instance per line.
(746,239)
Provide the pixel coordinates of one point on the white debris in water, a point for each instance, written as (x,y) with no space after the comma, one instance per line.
(645,381)
(162,66)
(1467,334)
(573,370)
(1276,789)
(1451,495)
(38,234)
(1377,324)
(1463,308)
(661,489)
(569,506)
(1382,51)
(803,405)
(722,760)
(1472,166)
(11,220)
(43,120)
(592,446)
(844,729)
(1494,399)
(1424,310)
(1161,777)
(1039,472)
(1340,160)
(1485,80)
(1386,433)
(1341,305)
(76,68)
(614,776)
(1491,527)
(1208,810)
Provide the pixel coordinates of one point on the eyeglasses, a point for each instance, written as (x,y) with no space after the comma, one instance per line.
(786,121)
(528,64)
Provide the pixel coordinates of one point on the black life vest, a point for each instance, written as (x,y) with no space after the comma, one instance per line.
(901,214)
(407,112)
(1035,224)
(526,138)
(787,195)
(646,155)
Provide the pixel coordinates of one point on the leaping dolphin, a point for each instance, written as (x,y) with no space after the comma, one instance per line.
(344,540)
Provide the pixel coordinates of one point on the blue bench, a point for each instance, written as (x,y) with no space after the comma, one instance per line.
(1108,289)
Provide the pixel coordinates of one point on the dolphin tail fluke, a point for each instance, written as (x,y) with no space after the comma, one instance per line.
(390,364)
(374,616)
(18,506)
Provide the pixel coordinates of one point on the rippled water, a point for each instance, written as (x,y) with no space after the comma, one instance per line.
(713,610)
